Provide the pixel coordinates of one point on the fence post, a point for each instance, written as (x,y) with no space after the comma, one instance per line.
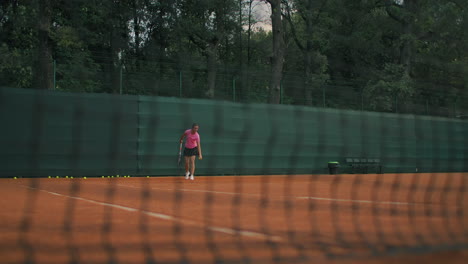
(234,89)
(362,99)
(55,75)
(121,81)
(427,107)
(281,91)
(180,83)
(396,104)
(323,95)
(455,108)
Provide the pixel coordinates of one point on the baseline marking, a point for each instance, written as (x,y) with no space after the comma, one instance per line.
(357,201)
(224,230)
(296,197)
(190,190)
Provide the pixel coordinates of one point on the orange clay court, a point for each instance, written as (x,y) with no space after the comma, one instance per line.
(236,219)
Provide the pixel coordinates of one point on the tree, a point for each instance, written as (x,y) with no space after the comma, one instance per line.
(407,18)
(304,18)
(383,55)
(43,73)
(207,23)
(277,58)
(18,43)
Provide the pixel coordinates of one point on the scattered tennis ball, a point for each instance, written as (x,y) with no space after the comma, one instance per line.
(57,177)
(147,176)
(15,178)
(102,176)
(66,177)
(50,177)
(118,175)
(71,177)
(84,178)
(108,176)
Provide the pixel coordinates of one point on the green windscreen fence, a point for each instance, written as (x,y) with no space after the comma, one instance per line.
(52,133)
(48,133)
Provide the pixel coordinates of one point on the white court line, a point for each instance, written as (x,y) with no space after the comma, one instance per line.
(296,197)
(356,201)
(225,230)
(192,190)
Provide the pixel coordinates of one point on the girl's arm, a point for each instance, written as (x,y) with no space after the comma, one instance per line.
(182,138)
(200,156)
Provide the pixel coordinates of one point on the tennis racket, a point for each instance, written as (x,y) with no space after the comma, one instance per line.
(179,160)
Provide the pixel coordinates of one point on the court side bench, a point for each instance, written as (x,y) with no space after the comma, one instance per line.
(364,165)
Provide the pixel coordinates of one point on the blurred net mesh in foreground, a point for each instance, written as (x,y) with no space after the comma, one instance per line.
(412,200)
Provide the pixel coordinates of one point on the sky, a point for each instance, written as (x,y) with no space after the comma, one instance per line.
(261,11)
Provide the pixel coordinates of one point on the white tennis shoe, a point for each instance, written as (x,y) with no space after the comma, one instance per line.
(187,174)
(192,178)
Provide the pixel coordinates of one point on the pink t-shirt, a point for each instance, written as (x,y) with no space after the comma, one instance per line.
(191,140)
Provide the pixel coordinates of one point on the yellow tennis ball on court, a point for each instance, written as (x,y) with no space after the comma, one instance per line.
(66,177)
(84,178)
(102,177)
(57,177)
(50,177)
(147,176)
(15,178)
(71,177)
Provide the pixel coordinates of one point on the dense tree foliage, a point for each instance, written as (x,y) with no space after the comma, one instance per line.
(380,55)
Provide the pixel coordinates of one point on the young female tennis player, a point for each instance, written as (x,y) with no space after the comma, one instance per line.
(192,149)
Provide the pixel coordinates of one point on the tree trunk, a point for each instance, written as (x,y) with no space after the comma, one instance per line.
(308,77)
(211,68)
(240,84)
(241,47)
(245,78)
(118,43)
(249,33)
(212,48)
(43,71)
(162,44)
(277,59)
(116,62)
(136,30)
(308,53)
(406,50)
